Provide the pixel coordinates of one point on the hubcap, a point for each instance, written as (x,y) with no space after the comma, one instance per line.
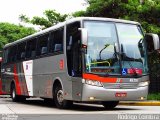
(13,94)
(60,96)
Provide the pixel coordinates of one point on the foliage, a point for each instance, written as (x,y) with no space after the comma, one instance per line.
(78,14)
(146,12)
(50,18)
(10,32)
(154,64)
(154,96)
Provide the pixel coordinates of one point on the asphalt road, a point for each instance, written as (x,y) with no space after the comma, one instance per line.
(37,109)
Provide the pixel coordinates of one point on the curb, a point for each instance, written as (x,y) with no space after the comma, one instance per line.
(140,103)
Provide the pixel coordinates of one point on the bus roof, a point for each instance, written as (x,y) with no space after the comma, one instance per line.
(71,21)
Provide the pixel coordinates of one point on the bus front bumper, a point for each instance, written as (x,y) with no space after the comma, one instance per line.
(94,93)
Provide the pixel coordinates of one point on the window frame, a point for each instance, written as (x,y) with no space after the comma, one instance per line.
(9,48)
(38,42)
(35,47)
(5,56)
(24,42)
(51,41)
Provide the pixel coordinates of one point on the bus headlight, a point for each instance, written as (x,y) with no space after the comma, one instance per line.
(143,84)
(92,82)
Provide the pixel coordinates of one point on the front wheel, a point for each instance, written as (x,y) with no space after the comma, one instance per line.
(110,104)
(59,99)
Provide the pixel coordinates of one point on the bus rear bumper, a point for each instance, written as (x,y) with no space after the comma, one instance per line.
(94,93)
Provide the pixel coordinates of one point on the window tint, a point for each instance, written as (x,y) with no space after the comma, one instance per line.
(21,51)
(42,47)
(5,56)
(12,54)
(31,48)
(56,41)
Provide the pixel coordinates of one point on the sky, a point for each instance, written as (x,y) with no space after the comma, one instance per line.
(11,9)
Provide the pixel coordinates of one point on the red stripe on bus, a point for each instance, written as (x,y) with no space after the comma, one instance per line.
(98,78)
(18,89)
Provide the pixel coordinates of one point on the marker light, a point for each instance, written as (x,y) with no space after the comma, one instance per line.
(142,98)
(91,98)
(143,84)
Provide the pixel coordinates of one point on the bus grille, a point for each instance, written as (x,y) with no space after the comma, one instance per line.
(120,85)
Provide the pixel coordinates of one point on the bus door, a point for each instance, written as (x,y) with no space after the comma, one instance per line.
(74,58)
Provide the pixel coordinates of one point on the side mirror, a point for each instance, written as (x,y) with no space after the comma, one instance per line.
(152,41)
(140,47)
(84,36)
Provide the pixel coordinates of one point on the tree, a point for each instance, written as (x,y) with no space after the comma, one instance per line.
(51,17)
(144,11)
(10,32)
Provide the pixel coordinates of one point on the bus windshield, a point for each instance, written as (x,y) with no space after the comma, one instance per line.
(102,56)
(134,56)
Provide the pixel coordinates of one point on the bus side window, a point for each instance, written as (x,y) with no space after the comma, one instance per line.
(12,54)
(21,51)
(56,41)
(42,46)
(5,55)
(31,48)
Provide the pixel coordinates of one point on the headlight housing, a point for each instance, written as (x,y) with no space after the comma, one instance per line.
(92,82)
(143,84)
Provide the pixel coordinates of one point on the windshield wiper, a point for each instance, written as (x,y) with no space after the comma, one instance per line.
(123,56)
(102,50)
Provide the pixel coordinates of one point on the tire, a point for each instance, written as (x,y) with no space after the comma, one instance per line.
(14,96)
(110,104)
(58,99)
(49,101)
(13,93)
(21,98)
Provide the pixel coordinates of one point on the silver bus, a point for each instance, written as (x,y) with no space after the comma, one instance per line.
(85,59)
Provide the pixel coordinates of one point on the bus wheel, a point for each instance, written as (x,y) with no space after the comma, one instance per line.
(13,93)
(110,104)
(16,98)
(59,99)
(49,101)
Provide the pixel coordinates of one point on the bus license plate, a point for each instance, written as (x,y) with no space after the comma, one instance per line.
(120,94)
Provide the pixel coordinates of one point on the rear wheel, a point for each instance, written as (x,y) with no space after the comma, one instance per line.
(59,99)
(13,93)
(110,104)
(14,96)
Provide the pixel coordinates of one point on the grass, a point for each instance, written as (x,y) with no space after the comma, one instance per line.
(154,96)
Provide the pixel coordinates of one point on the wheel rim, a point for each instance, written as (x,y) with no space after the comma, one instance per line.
(13,93)
(60,97)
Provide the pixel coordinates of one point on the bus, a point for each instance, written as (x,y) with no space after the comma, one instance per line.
(84,59)
(0,77)
(1,91)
